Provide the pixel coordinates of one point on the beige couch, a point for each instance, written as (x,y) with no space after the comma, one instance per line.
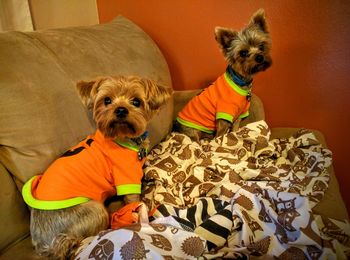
(41,115)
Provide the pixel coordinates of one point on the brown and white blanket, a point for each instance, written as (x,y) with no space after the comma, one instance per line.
(239,196)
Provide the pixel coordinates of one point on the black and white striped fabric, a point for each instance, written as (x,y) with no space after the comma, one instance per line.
(209,218)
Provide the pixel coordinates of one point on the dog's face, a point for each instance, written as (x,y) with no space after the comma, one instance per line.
(248,50)
(122,106)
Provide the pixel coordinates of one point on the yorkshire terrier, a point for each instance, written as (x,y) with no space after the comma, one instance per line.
(220,107)
(67,201)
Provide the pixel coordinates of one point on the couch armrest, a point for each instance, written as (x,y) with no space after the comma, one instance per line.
(256,111)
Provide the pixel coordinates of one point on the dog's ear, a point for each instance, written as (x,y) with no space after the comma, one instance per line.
(157,95)
(87,89)
(258,20)
(224,37)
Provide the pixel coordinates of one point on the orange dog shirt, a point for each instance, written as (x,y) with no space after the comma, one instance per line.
(95,169)
(221,100)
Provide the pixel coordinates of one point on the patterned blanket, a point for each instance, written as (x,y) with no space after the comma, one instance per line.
(239,196)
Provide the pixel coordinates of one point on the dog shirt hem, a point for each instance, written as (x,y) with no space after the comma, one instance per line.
(244,115)
(48,204)
(225,116)
(195,126)
(128,189)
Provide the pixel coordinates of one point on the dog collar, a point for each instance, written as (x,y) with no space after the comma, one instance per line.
(237,78)
(135,144)
(139,140)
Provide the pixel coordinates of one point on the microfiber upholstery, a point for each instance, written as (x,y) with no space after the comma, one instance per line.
(41,114)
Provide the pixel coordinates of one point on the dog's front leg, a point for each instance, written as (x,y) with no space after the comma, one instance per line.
(222,127)
(236,124)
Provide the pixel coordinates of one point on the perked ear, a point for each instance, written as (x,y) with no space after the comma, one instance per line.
(224,37)
(258,19)
(156,95)
(87,89)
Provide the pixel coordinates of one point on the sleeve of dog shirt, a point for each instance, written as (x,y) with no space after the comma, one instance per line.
(226,111)
(127,172)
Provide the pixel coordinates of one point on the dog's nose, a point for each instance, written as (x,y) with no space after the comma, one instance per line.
(259,58)
(121,112)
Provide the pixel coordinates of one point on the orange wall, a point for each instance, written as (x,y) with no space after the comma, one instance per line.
(308,84)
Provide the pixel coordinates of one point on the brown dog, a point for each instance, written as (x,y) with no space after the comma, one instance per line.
(67,200)
(227,100)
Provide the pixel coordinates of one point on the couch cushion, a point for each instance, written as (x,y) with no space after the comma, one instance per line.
(115,48)
(14,215)
(21,251)
(41,114)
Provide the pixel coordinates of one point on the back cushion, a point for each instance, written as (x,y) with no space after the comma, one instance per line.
(41,115)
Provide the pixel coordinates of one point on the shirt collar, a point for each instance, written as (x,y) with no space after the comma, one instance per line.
(234,86)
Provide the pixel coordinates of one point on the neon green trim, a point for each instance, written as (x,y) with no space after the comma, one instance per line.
(225,116)
(128,189)
(233,85)
(244,115)
(192,125)
(130,146)
(48,204)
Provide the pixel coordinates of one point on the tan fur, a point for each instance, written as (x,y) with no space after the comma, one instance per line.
(58,233)
(55,233)
(122,90)
(255,39)
(255,43)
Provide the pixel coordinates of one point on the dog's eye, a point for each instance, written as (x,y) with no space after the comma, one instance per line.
(107,101)
(262,47)
(136,102)
(243,53)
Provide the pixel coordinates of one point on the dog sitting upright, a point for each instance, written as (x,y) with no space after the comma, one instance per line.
(222,105)
(67,200)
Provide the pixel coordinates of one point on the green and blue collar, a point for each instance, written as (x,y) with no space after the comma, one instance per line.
(236,83)
(135,144)
(237,78)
